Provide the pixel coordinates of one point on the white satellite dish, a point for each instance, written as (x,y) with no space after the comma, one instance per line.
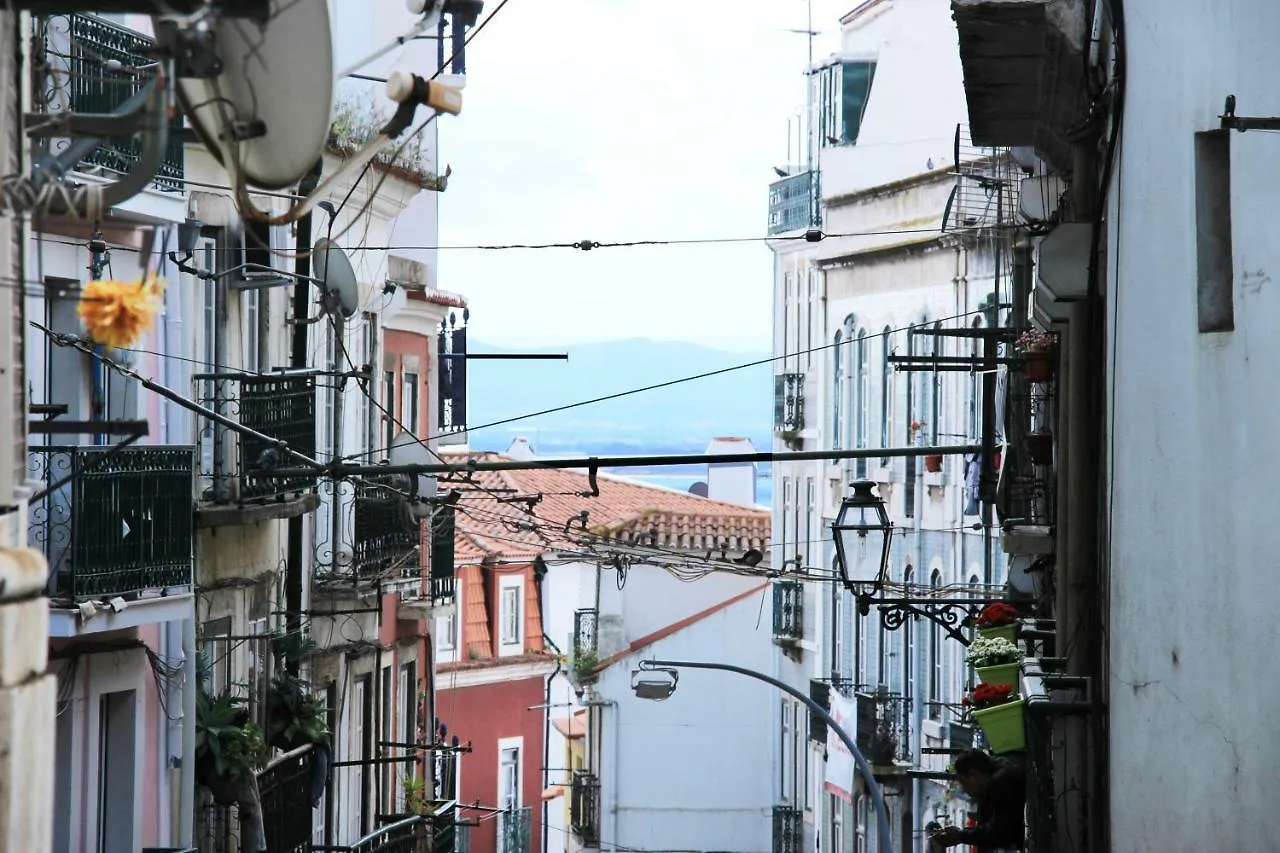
(266,114)
(406,449)
(341,292)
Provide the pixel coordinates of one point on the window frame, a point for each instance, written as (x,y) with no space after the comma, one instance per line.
(511,585)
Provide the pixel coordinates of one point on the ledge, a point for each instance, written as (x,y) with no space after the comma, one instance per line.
(235,515)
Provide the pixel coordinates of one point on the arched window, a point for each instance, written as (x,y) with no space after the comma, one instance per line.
(837,399)
(886,392)
(863,398)
(935,655)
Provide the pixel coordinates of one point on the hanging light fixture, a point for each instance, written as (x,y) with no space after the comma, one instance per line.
(863,534)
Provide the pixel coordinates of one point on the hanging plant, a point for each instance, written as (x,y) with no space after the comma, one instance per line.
(295,717)
(230,751)
(116,313)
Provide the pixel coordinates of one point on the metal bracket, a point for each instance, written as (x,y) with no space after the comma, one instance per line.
(1231,121)
(949,614)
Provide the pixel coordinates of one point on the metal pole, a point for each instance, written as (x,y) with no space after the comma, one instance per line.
(463,466)
(864,769)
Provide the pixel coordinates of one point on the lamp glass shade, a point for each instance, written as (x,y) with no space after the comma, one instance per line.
(863,534)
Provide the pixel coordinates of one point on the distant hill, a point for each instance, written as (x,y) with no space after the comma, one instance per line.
(680,418)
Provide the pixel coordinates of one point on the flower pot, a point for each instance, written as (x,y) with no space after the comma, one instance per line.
(1003,726)
(1038,364)
(1040,448)
(933,463)
(1005,674)
(1008,632)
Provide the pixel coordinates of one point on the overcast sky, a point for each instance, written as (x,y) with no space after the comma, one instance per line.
(615,120)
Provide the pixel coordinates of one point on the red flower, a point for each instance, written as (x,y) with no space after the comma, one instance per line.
(990,695)
(997,613)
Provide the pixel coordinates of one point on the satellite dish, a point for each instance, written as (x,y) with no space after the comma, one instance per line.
(333,268)
(406,449)
(265,116)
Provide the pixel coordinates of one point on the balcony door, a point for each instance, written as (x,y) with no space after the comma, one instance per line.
(117,745)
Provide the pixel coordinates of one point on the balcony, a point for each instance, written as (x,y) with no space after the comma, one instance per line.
(236,471)
(788,830)
(443,578)
(284,788)
(794,203)
(514,834)
(788,402)
(788,611)
(120,524)
(386,534)
(884,730)
(77,78)
(584,808)
(451,385)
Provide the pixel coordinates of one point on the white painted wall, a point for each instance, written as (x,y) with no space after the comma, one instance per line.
(732,482)
(1192,470)
(693,772)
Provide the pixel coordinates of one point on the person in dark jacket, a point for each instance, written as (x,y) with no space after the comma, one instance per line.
(1000,790)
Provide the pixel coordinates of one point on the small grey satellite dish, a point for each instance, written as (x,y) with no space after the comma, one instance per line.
(265,116)
(407,450)
(341,293)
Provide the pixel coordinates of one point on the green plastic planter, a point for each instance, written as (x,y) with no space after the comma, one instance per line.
(1007,632)
(1005,674)
(1003,726)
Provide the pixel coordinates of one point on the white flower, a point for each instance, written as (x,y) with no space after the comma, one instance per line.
(992,651)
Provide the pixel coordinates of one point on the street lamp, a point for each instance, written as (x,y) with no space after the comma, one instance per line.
(648,689)
(862,528)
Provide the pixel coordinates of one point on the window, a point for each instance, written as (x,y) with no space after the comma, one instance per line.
(844,88)
(409,402)
(251,302)
(509,613)
(909,643)
(886,392)
(369,354)
(1215,291)
(815,277)
(406,726)
(786,764)
(509,774)
(975,386)
(787,503)
(935,391)
(863,401)
(387,714)
(447,629)
(837,630)
(838,401)
(799,750)
(912,435)
(835,806)
(935,656)
(389,401)
(811,514)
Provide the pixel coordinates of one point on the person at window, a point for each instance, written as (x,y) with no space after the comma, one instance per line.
(1000,790)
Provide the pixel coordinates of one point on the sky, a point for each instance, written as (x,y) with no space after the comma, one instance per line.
(616,120)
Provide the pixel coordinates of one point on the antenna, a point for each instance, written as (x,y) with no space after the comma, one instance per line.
(341,293)
(265,114)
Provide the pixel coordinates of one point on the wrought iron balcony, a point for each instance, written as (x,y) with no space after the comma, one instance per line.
(514,827)
(451,379)
(77,77)
(585,650)
(236,469)
(794,203)
(584,807)
(788,830)
(386,534)
(884,728)
(788,610)
(960,736)
(443,574)
(788,402)
(122,521)
(284,789)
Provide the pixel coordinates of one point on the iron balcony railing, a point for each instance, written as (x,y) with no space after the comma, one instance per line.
(284,790)
(514,830)
(788,402)
(238,469)
(960,737)
(584,807)
(443,574)
(121,521)
(883,727)
(788,830)
(788,610)
(794,203)
(583,644)
(410,835)
(386,534)
(94,66)
(451,378)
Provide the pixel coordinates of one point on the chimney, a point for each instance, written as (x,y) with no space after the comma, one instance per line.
(731,482)
(521,450)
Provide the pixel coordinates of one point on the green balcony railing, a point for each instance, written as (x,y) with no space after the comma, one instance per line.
(122,523)
(788,830)
(514,830)
(77,56)
(386,535)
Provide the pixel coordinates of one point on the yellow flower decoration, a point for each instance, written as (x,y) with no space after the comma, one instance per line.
(116,313)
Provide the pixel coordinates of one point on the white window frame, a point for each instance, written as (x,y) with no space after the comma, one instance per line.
(506,744)
(410,401)
(508,645)
(447,628)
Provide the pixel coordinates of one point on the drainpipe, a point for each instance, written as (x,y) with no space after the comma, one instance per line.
(187,801)
(293,580)
(546,734)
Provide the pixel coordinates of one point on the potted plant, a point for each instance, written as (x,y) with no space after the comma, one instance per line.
(296,718)
(230,750)
(914,430)
(884,746)
(998,619)
(1040,448)
(1036,346)
(998,710)
(585,661)
(933,463)
(995,660)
